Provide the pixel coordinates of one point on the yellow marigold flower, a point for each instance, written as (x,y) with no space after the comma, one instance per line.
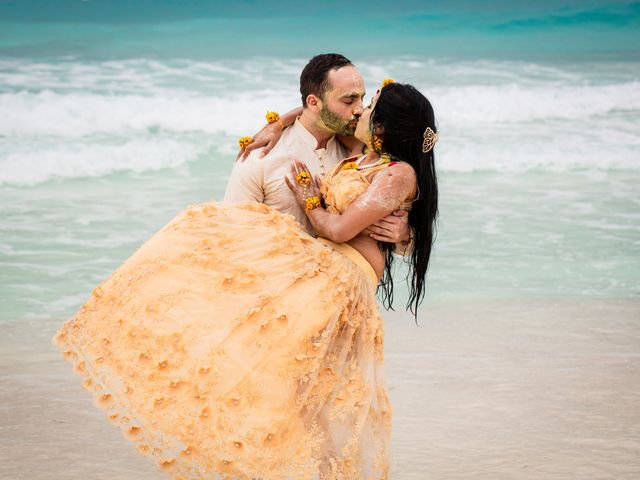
(272,117)
(312,202)
(303,178)
(244,141)
(387,81)
(350,166)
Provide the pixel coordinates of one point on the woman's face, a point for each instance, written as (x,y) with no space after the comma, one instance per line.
(363,132)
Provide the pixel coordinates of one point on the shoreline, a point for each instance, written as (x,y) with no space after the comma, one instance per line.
(483,390)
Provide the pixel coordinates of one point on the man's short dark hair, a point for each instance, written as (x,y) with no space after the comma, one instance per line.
(313,79)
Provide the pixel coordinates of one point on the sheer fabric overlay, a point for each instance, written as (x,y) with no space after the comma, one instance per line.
(234,345)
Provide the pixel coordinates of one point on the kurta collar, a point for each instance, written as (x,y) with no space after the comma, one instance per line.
(307,137)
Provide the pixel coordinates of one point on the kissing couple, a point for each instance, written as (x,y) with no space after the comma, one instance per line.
(243,340)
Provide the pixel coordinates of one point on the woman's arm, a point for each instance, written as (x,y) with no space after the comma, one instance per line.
(388,190)
(393,228)
(269,135)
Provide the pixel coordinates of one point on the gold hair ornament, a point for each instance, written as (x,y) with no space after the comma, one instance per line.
(430,139)
(387,81)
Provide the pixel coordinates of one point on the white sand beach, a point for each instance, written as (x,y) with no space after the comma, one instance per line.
(510,390)
(526,364)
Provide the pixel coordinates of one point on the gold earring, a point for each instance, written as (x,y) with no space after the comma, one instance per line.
(376,143)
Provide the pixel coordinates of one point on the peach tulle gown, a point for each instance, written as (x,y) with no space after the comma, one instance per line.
(234,345)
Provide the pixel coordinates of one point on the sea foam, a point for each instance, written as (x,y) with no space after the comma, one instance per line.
(66,119)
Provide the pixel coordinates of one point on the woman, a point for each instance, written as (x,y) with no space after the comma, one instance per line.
(235,345)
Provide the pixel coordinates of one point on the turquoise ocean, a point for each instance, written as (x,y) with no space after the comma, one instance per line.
(116,115)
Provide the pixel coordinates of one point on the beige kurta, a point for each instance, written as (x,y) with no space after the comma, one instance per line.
(262,179)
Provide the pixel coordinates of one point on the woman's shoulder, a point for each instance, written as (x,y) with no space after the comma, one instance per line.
(398,167)
(398,170)
(398,176)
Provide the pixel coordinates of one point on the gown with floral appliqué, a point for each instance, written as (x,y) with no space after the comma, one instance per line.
(234,345)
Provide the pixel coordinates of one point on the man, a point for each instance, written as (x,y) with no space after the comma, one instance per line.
(332,91)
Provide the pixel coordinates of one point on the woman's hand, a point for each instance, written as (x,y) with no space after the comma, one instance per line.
(267,137)
(302,183)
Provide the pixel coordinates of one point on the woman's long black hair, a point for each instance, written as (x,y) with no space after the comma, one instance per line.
(405,114)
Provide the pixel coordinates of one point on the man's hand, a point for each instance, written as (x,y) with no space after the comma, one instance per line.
(267,137)
(393,228)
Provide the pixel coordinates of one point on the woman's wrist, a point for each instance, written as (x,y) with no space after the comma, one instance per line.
(290,117)
(274,117)
(404,247)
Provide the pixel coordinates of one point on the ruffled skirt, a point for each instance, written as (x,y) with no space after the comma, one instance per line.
(234,345)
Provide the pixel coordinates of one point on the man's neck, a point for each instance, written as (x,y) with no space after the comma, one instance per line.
(322,135)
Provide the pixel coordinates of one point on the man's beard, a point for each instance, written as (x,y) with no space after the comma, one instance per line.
(336,124)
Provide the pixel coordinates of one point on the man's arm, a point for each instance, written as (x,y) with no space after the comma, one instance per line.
(246,181)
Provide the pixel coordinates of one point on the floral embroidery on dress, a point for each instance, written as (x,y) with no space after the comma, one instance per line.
(234,345)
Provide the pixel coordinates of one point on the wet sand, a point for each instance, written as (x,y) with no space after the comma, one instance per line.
(509,390)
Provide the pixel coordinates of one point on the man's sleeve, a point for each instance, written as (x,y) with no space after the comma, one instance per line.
(246,181)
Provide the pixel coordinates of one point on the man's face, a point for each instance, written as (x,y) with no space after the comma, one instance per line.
(342,102)
(363,129)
